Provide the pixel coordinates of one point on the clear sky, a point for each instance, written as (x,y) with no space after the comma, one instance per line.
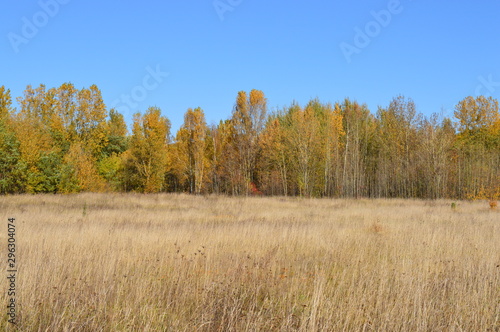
(177,54)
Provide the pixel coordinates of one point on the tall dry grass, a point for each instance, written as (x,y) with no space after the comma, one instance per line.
(111,262)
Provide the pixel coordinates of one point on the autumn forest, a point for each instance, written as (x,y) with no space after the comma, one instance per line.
(65,140)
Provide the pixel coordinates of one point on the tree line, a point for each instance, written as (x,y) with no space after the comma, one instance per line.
(65,140)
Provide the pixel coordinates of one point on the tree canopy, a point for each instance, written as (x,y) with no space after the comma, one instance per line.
(65,140)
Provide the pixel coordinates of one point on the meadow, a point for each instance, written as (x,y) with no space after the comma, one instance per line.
(173,262)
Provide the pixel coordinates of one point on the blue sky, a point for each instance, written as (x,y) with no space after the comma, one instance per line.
(436,52)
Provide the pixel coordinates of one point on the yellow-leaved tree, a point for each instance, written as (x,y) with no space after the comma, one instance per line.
(40,153)
(248,120)
(191,159)
(303,135)
(82,131)
(111,165)
(479,147)
(90,121)
(273,165)
(146,159)
(80,171)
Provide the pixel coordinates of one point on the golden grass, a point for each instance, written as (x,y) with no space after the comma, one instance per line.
(126,262)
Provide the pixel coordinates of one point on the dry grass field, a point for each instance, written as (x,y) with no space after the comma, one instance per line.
(127,262)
